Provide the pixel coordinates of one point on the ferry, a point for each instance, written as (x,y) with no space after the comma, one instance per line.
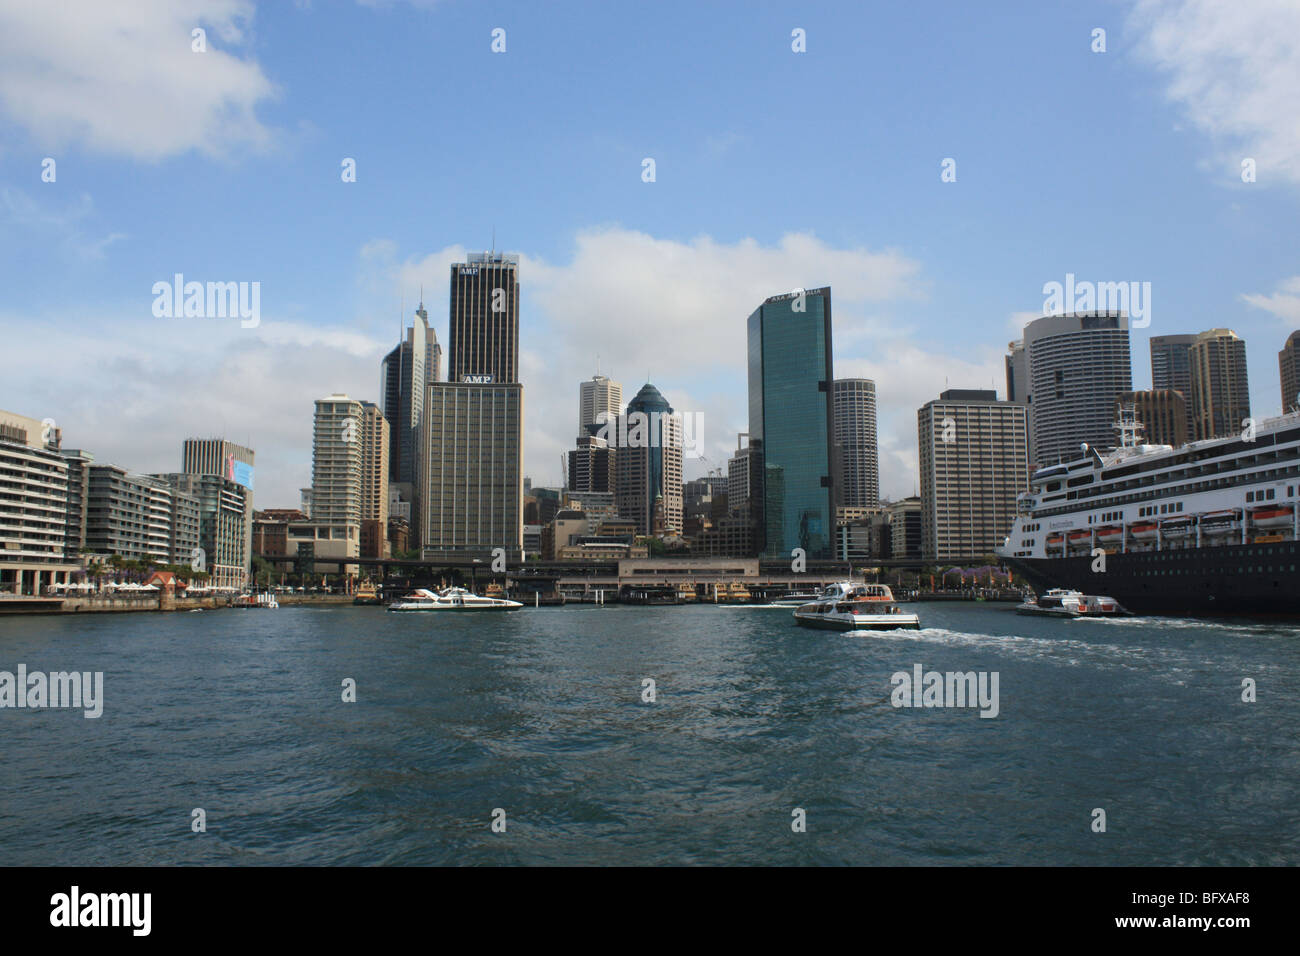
(1060,602)
(367,594)
(847,606)
(450,599)
(1211,527)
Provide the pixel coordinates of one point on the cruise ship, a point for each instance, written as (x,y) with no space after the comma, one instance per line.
(1212,527)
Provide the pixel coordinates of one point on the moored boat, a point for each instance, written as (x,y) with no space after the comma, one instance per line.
(1063,602)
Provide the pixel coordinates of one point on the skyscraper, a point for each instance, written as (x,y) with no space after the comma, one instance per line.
(484,330)
(854,407)
(790,423)
(472,493)
(337,456)
(375,443)
(1078,363)
(598,397)
(648,442)
(403,374)
(1220,390)
(974,457)
(1171,368)
(1289,372)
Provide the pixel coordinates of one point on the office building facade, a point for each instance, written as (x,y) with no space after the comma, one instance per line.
(1162,413)
(790,423)
(473,480)
(974,458)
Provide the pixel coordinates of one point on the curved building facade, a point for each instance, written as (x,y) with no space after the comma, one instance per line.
(854,431)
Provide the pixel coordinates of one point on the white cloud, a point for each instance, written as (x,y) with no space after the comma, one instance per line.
(1284,303)
(148,384)
(1234,68)
(122,78)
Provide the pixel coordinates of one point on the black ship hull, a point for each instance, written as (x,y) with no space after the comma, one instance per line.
(1248,580)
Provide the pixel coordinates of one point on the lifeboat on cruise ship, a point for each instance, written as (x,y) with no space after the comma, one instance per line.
(1146,531)
(1273,517)
(1175,528)
(1110,535)
(1055,542)
(1080,539)
(1219,524)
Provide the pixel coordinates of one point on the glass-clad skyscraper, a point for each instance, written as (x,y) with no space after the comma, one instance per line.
(790,416)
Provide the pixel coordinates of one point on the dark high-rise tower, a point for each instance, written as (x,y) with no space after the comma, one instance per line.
(1289,372)
(790,422)
(403,374)
(484,334)
(1171,368)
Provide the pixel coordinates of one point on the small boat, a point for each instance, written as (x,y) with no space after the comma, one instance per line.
(367,594)
(847,606)
(450,599)
(1061,602)
(1272,517)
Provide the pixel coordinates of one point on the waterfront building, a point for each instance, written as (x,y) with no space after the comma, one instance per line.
(79,462)
(1171,368)
(905,528)
(1078,363)
(1220,390)
(790,424)
(234,463)
(484,326)
(338,455)
(473,480)
(1162,413)
(33,506)
(648,439)
(1289,373)
(225,532)
(140,517)
(853,402)
(375,445)
(560,533)
(974,458)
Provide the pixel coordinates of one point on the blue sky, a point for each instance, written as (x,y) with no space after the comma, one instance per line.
(774,169)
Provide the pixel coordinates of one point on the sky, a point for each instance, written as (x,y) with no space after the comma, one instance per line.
(773,170)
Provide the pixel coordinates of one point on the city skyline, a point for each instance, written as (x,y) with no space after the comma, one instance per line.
(736,212)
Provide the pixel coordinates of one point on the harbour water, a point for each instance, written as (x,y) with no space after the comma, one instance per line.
(540,713)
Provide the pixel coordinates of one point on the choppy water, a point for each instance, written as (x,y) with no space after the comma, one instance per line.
(539,713)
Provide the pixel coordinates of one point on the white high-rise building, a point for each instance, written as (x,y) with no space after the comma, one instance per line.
(597,396)
(1078,363)
(854,431)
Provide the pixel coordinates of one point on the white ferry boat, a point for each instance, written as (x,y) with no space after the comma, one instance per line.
(450,599)
(1060,602)
(847,606)
(1210,527)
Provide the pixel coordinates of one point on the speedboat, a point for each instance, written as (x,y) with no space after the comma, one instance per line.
(847,606)
(450,599)
(1061,602)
